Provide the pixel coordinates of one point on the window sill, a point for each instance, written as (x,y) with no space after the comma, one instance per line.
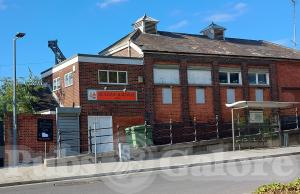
(166,84)
(121,84)
(227,84)
(203,85)
(68,86)
(259,85)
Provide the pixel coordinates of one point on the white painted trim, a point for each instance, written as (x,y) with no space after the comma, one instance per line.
(47,112)
(121,61)
(114,50)
(127,45)
(60,67)
(136,48)
(92,59)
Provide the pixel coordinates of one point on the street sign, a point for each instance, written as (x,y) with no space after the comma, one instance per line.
(45,130)
(112,95)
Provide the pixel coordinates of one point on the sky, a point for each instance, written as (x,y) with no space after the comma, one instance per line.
(91,25)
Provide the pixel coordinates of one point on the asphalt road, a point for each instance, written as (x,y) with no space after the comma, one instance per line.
(236,177)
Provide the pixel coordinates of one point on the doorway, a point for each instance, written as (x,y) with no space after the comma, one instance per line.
(103,133)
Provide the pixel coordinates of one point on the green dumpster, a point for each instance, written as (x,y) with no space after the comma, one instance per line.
(135,136)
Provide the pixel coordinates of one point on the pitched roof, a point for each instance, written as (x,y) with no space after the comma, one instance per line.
(200,44)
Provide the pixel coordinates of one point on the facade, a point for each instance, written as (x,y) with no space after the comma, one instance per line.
(161,77)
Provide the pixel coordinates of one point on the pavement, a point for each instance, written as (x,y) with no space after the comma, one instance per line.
(239,177)
(42,174)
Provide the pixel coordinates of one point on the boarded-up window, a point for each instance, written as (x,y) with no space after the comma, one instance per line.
(200,96)
(167,95)
(166,76)
(259,95)
(199,77)
(230,96)
(256,117)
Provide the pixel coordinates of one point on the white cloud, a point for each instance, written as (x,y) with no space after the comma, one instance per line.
(178,25)
(3,5)
(240,7)
(106,3)
(230,15)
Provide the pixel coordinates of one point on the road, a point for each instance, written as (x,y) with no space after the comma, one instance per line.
(236,177)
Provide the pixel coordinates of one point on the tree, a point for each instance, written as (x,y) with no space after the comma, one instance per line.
(25,99)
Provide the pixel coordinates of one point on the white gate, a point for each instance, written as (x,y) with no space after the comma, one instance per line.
(103,135)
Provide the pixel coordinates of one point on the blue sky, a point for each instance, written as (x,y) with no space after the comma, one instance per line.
(90,25)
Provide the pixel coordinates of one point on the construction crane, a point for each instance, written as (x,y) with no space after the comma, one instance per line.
(59,56)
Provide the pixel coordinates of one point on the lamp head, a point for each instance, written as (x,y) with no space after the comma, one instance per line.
(20,35)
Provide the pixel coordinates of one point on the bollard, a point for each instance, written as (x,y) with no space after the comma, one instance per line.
(95,142)
(195,129)
(171,134)
(217,126)
(145,134)
(90,140)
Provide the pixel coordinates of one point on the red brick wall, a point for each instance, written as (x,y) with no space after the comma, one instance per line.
(225,112)
(27,135)
(132,112)
(252,93)
(202,112)
(68,96)
(124,53)
(289,81)
(163,112)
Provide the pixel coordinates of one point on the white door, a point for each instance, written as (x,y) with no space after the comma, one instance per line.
(104,133)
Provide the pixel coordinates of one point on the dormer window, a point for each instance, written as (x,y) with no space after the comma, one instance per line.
(214,31)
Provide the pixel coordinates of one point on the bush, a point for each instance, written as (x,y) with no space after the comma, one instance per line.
(278,188)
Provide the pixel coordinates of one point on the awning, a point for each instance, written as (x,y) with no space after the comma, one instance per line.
(261,104)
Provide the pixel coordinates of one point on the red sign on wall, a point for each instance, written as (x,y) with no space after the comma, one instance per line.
(109,95)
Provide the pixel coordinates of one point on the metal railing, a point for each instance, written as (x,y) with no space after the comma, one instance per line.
(176,132)
(171,132)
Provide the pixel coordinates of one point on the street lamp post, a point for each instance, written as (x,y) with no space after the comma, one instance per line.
(15,154)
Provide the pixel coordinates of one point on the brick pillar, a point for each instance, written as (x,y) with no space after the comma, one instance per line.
(216,89)
(246,96)
(149,90)
(184,93)
(273,82)
(244,71)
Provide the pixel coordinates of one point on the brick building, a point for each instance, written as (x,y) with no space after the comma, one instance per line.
(158,76)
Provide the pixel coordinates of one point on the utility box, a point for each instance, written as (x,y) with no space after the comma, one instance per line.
(135,136)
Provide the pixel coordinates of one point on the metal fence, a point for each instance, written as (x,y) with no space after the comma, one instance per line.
(176,132)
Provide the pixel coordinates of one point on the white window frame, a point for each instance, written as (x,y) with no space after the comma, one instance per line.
(55,85)
(175,81)
(167,102)
(256,77)
(192,81)
(118,81)
(204,100)
(228,77)
(68,82)
(253,117)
